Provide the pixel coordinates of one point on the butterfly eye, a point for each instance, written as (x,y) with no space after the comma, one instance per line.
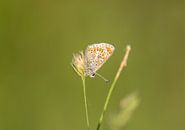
(93,75)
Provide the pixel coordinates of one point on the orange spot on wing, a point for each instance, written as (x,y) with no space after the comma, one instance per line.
(109,50)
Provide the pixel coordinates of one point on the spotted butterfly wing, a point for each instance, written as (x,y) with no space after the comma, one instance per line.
(96,55)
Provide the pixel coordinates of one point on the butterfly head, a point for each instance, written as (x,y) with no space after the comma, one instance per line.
(92,75)
(89,72)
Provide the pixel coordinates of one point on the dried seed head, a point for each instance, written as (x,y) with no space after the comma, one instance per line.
(78,63)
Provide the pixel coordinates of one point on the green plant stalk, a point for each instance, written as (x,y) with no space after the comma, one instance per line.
(85,103)
(106,103)
(122,65)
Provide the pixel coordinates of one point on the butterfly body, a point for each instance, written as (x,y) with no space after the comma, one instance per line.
(95,56)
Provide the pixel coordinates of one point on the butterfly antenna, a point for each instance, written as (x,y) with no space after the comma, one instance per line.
(106,80)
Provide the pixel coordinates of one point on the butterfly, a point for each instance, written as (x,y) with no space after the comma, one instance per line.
(95,56)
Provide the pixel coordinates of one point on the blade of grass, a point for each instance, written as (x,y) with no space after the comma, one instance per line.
(122,65)
(85,102)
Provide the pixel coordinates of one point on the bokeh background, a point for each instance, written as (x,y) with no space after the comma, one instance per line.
(40,91)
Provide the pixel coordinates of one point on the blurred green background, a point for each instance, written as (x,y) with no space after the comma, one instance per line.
(40,91)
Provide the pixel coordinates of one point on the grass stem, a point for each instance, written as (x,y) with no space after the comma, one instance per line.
(122,65)
(85,102)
